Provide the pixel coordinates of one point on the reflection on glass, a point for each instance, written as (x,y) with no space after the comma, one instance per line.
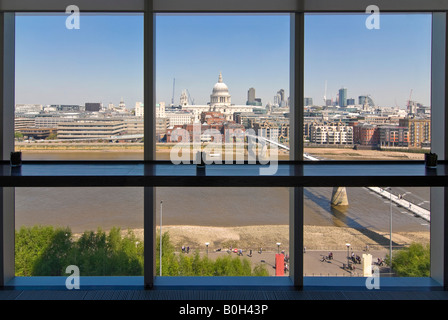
(222,231)
(349,231)
(99,230)
(79,91)
(367,97)
(213,94)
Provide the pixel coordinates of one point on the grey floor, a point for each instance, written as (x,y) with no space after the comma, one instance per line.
(227,294)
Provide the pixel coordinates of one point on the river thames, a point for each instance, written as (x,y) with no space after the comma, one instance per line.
(89,208)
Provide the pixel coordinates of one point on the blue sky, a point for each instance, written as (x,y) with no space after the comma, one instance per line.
(103,60)
(385,63)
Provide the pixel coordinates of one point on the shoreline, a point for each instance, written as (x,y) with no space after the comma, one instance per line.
(328,153)
(266,237)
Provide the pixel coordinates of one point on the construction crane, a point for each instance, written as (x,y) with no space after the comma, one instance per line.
(325,94)
(172,98)
(190,99)
(409,101)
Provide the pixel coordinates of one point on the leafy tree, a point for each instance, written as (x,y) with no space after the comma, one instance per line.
(18,135)
(42,250)
(108,255)
(413,261)
(47,251)
(52,136)
(170,265)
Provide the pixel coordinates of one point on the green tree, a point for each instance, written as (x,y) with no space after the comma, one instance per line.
(52,136)
(413,261)
(18,135)
(41,250)
(47,251)
(101,254)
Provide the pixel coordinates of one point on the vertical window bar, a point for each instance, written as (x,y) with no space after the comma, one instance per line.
(7,25)
(296,146)
(149,148)
(438,231)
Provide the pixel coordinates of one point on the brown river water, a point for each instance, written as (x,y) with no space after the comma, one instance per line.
(89,208)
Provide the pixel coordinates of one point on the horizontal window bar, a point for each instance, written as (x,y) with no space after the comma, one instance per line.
(224,6)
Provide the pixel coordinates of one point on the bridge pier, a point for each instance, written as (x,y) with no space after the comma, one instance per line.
(339,197)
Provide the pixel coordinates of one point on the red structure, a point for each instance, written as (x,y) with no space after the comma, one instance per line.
(279,264)
(366,135)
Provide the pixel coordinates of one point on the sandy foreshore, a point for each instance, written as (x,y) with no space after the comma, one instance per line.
(351,154)
(266,237)
(135,151)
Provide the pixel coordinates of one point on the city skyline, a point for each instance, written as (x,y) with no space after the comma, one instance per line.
(103,60)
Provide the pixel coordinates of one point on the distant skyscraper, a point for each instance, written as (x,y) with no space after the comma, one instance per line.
(250,96)
(350,102)
(280,98)
(251,100)
(363,99)
(343,97)
(307,101)
(281,94)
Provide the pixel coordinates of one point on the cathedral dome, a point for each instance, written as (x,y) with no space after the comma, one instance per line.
(220,87)
(220,94)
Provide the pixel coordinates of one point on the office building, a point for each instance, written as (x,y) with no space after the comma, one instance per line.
(93,107)
(419,132)
(307,101)
(343,97)
(394,136)
(90,129)
(250,96)
(337,134)
(366,134)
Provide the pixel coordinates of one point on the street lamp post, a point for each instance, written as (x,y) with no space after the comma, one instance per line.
(390,224)
(348,254)
(161,212)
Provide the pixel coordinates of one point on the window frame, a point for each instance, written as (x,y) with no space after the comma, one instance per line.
(297,10)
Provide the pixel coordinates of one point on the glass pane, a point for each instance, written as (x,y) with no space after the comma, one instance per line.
(350,224)
(367,93)
(79,91)
(223,231)
(220,79)
(99,230)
